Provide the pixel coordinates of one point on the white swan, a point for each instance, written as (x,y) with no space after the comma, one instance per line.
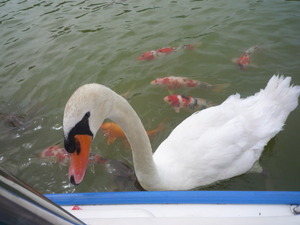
(214,144)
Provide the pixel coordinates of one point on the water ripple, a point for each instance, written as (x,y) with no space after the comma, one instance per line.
(91,30)
(33,6)
(51,11)
(48,49)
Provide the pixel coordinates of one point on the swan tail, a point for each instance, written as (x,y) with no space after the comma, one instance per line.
(266,111)
(280,90)
(273,105)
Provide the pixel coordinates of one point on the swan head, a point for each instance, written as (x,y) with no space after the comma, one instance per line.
(84,112)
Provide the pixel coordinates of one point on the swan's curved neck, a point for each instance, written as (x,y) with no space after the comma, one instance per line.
(145,169)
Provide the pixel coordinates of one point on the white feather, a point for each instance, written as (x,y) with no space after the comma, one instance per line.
(226,140)
(211,145)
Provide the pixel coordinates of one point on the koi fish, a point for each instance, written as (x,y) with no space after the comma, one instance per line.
(12,120)
(55,152)
(181,101)
(123,174)
(113,131)
(61,155)
(154,54)
(244,60)
(173,82)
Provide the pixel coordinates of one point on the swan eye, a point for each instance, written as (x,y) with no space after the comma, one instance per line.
(87,115)
(69,144)
(82,127)
(77,146)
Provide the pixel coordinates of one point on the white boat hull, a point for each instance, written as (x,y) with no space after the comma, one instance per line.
(183,207)
(185,214)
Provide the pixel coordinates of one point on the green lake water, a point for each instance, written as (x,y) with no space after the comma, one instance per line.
(49,48)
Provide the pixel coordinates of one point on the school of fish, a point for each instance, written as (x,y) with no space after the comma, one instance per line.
(176,82)
(113,131)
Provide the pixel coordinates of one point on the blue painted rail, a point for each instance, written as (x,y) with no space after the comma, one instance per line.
(178,197)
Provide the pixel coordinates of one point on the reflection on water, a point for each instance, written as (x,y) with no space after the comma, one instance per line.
(48,49)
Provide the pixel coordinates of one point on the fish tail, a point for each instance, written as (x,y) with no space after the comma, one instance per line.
(210,104)
(196,45)
(192,46)
(219,87)
(204,104)
(128,92)
(159,128)
(110,140)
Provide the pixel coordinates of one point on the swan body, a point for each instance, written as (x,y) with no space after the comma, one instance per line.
(211,145)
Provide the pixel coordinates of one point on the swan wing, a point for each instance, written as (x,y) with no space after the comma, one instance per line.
(226,140)
(205,144)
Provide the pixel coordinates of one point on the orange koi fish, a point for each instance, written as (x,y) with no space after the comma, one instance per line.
(113,131)
(181,101)
(61,155)
(244,60)
(173,82)
(154,54)
(56,152)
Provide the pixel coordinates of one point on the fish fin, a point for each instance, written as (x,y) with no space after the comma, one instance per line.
(111,139)
(177,109)
(153,132)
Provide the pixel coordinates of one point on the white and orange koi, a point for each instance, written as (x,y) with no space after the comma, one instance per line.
(244,60)
(60,155)
(173,82)
(158,53)
(181,101)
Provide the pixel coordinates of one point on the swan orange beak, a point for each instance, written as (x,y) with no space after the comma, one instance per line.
(79,158)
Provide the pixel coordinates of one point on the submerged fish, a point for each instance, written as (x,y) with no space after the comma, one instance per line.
(60,154)
(244,60)
(55,152)
(181,101)
(173,82)
(158,53)
(124,176)
(113,131)
(14,120)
